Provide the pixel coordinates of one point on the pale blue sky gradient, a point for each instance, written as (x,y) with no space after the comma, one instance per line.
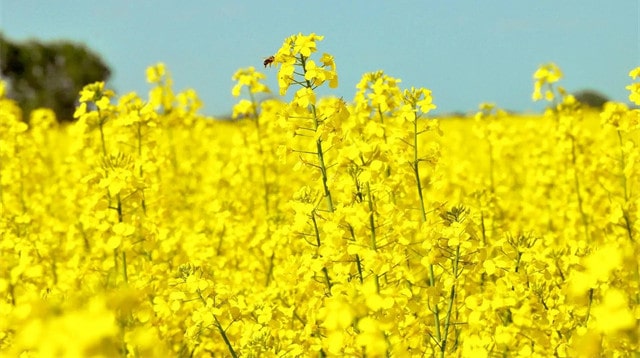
(466,52)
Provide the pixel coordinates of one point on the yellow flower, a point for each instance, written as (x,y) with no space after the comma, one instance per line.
(305,45)
(285,77)
(544,76)
(103,103)
(619,116)
(244,108)
(634,88)
(316,75)
(94,92)
(304,97)
(156,73)
(329,62)
(80,110)
(548,73)
(426,103)
(371,337)
(337,314)
(295,51)
(250,78)
(613,314)
(88,93)
(417,99)
(599,267)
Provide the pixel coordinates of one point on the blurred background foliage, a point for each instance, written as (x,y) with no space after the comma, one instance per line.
(591,98)
(50,74)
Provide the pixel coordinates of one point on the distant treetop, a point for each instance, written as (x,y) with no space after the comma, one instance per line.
(591,98)
(49,74)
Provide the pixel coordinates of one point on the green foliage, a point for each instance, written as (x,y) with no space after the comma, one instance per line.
(591,98)
(49,74)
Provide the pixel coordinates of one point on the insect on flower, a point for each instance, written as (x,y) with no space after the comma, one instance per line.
(268,61)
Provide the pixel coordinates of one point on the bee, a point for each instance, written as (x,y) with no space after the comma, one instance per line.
(268,61)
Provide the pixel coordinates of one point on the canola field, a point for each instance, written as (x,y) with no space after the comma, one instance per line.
(320,227)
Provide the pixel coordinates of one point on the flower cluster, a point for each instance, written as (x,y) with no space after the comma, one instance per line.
(319,227)
(545,77)
(295,53)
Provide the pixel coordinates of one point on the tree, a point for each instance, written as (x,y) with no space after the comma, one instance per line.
(591,98)
(49,75)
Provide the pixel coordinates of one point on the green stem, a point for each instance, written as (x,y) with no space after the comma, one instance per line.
(627,219)
(483,225)
(119,209)
(123,328)
(384,136)
(124,267)
(586,319)
(359,266)
(452,297)
(124,255)
(270,271)
(141,172)
(576,180)
(319,150)
(416,170)
(225,338)
(316,230)
(115,263)
(625,210)
(101,127)
(102,140)
(327,279)
(323,168)
(317,235)
(436,310)
(372,224)
(416,167)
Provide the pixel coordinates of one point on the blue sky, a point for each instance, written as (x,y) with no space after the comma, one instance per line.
(465,51)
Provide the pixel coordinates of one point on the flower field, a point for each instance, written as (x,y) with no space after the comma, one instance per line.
(319,227)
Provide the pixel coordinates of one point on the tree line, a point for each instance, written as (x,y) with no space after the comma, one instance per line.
(39,74)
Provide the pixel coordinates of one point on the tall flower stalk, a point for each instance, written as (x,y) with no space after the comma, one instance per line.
(297,68)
